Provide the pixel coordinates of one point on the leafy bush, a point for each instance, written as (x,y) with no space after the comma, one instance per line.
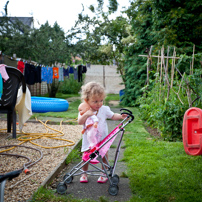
(165,115)
(163,107)
(170,119)
(70,86)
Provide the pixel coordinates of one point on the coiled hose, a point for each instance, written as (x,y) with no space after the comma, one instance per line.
(29,137)
(29,163)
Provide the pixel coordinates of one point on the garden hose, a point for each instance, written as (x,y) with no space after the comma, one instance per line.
(29,137)
(29,163)
(33,136)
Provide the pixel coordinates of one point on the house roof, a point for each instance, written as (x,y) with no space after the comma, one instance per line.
(25,20)
(28,21)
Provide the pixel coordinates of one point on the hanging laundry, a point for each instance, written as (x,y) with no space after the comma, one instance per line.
(61,74)
(71,70)
(21,66)
(55,73)
(44,74)
(75,73)
(47,74)
(50,75)
(84,69)
(88,65)
(38,74)
(3,72)
(30,74)
(23,106)
(80,69)
(66,72)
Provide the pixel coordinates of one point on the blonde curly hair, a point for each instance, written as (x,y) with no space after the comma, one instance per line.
(92,89)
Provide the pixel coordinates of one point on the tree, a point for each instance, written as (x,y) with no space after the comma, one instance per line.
(14,37)
(45,45)
(50,46)
(177,22)
(173,23)
(101,35)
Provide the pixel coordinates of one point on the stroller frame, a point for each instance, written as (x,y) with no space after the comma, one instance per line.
(108,171)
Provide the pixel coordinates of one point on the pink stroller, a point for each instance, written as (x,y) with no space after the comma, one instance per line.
(95,155)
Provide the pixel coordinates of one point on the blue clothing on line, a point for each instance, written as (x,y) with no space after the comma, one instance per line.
(71,70)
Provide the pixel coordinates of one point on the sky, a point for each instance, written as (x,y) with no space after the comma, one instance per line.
(64,12)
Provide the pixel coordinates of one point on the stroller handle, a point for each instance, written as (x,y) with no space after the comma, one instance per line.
(129,113)
(126,110)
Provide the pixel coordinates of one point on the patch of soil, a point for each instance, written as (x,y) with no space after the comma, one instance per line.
(153,131)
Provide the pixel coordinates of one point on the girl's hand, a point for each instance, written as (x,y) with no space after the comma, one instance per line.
(119,116)
(124,116)
(90,112)
(82,118)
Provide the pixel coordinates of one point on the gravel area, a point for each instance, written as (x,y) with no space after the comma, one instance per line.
(22,187)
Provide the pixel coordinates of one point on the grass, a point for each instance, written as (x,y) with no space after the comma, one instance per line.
(74,154)
(61,95)
(111,97)
(46,195)
(158,171)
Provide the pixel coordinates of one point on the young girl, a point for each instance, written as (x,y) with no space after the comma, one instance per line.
(94,94)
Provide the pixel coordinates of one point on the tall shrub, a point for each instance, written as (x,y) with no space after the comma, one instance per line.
(70,85)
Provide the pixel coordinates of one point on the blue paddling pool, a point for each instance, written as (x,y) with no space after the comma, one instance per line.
(45,104)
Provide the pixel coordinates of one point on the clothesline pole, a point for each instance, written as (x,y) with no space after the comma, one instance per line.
(104,76)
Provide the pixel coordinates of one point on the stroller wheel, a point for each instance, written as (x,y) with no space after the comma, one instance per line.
(113,190)
(61,188)
(115,179)
(67,178)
